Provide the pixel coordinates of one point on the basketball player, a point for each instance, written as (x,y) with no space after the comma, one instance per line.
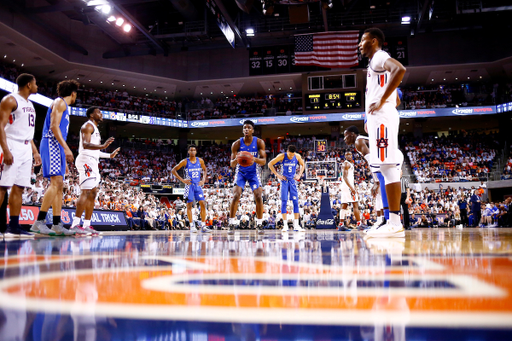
(17,122)
(54,154)
(289,161)
(349,193)
(384,76)
(251,174)
(88,171)
(361,143)
(194,183)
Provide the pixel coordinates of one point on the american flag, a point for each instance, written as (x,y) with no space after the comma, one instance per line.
(327,49)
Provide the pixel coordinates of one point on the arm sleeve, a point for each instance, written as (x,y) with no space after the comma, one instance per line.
(105,155)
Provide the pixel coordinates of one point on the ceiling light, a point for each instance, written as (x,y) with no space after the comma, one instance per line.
(111,18)
(127,28)
(24,64)
(106,9)
(5,56)
(119,21)
(406,20)
(249,32)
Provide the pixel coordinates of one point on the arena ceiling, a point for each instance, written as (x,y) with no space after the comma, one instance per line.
(166,27)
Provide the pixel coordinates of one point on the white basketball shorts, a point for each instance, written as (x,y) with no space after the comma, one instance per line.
(20,171)
(346,196)
(89,174)
(383,128)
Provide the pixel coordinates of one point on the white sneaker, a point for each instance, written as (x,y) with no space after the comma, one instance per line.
(80,230)
(387,230)
(285,228)
(298,228)
(193,228)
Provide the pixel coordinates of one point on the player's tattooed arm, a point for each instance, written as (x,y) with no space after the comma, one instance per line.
(175,169)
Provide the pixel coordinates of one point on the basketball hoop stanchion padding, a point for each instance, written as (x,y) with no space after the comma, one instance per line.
(325,218)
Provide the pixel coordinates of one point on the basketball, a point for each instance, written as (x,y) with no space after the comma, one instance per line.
(245,159)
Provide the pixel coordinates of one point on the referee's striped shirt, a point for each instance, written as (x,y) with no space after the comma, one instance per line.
(404,184)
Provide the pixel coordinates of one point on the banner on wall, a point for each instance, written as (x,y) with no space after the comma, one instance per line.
(28,216)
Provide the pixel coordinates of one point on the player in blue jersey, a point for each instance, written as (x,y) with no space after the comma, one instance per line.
(250,174)
(289,162)
(194,182)
(54,155)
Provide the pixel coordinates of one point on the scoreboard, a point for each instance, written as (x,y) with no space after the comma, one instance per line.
(281,59)
(333,100)
(320,146)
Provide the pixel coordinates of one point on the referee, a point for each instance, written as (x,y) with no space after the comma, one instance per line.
(405,199)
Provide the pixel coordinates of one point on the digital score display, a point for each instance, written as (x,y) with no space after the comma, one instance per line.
(320,146)
(334,100)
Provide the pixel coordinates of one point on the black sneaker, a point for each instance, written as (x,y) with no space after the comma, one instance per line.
(17,232)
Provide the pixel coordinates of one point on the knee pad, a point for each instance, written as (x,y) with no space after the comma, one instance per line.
(295,206)
(391,173)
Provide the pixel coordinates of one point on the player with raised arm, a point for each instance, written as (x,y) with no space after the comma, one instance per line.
(349,193)
(89,152)
(17,122)
(194,183)
(247,155)
(289,161)
(384,76)
(55,154)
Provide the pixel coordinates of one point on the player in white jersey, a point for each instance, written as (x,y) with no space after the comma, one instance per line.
(384,76)
(89,152)
(361,143)
(349,193)
(17,122)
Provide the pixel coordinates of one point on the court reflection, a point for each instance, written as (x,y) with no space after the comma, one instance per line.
(247,286)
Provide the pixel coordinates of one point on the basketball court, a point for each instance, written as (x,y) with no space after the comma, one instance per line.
(435,284)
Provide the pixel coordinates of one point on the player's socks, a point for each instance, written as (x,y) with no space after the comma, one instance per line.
(76,221)
(386,213)
(41,215)
(203,223)
(394,218)
(378,221)
(87,223)
(56,219)
(259,222)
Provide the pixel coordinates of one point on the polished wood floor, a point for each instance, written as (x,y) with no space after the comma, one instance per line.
(434,284)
